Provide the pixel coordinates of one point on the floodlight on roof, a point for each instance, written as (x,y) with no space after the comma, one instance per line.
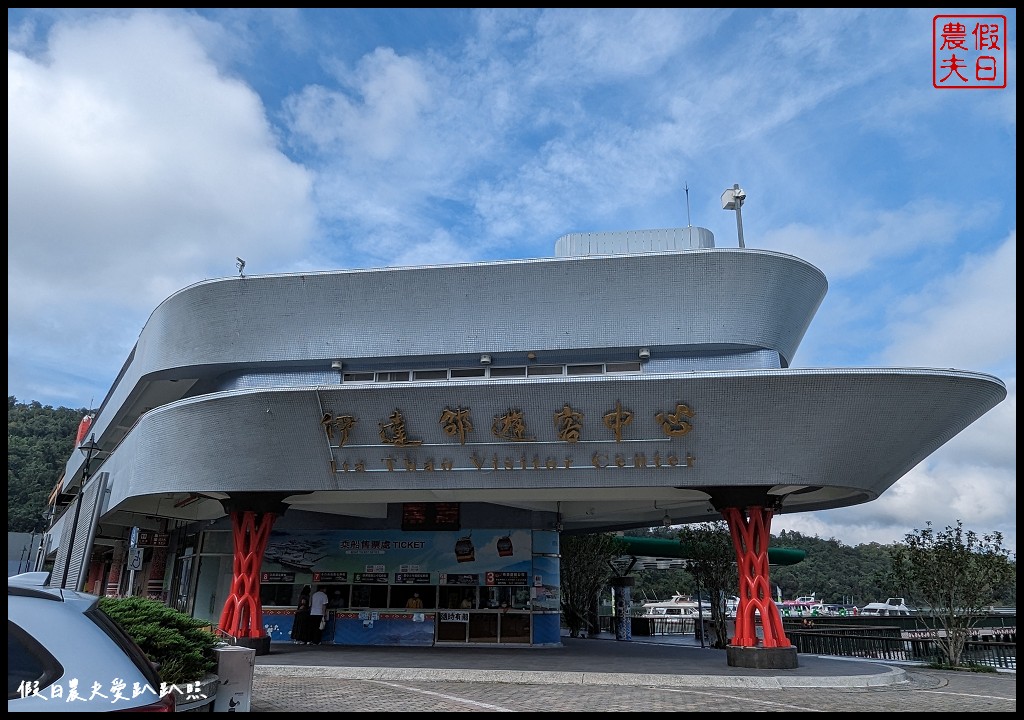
(732,199)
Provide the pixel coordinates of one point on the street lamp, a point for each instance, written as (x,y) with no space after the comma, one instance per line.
(692,567)
(42,524)
(88,449)
(732,199)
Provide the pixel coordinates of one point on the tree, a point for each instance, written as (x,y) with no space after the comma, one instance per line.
(586,566)
(40,439)
(952,576)
(713,561)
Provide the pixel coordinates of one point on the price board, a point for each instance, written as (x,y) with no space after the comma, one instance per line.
(365,578)
(412,578)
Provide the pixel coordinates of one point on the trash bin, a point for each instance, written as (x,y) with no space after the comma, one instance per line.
(236,666)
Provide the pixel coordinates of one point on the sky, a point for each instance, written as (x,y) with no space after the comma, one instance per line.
(150,148)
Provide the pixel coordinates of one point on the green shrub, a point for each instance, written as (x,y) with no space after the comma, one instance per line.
(181,646)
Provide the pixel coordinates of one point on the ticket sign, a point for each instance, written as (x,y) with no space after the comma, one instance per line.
(371,578)
(412,578)
(506,578)
(330,576)
(277,577)
(458,579)
(152,539)
(453,616)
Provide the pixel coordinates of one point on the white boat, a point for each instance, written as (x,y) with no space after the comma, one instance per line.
(802,607)
(678,607)
(894,606)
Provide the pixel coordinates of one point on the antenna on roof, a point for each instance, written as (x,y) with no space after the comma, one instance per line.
(687,189)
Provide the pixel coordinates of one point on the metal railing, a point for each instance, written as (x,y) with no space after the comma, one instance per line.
(878,642)
(893,647)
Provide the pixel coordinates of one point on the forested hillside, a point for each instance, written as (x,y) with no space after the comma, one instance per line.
(834,572)
(39,441)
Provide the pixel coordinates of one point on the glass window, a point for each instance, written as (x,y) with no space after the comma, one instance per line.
(430,374)
(369,596)
(545,370)
(498,598)
(622,367)
(275,594)
(398,376)
(337,595)
(457,598)
(357,377)
(405,596)
(272,594)
(218,541)
(28,662)
(508,371)
(467,372)
(585,369)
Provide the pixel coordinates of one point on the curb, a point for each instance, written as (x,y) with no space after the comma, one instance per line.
(892,676)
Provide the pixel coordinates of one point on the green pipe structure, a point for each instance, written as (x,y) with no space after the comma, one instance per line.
(668,548)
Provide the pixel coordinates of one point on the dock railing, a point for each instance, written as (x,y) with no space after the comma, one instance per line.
(881,643)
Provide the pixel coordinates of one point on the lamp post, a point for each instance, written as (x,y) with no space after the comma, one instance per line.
(732,199)
(89,448)
(692,567)
(43,523)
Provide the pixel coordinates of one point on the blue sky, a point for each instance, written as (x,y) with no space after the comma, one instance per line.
(149,148)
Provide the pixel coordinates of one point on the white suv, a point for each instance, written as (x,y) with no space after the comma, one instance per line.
(64,654)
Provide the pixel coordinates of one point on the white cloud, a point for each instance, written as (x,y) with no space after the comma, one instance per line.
(137,168)
(965,320)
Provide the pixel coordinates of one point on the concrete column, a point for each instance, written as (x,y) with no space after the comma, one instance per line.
(622,597)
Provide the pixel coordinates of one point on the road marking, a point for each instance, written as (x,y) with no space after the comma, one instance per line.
(968,695)
(724,696)
(454,698)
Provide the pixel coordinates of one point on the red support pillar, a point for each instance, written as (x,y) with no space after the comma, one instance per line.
(750,528)
(113,588)
(157,569)
(242,616)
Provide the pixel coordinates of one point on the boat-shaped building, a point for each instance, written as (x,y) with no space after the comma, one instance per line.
(437,428)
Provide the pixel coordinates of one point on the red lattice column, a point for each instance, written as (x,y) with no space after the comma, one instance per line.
(155,581)
(242,616)
(116,567)
(750,528)
(95,583)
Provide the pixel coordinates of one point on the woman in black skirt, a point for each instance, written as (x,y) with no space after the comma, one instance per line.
(300,624)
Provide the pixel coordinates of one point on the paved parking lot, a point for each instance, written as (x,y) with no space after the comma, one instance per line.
(924,691)
(605,675)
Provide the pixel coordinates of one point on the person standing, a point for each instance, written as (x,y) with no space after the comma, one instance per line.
(317,616)
(414,602)
(300,623)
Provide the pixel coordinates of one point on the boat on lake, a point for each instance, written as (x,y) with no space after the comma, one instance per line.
(678,607)
(894,606)
(803,607)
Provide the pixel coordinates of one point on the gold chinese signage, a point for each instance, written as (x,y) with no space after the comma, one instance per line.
(510,428)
